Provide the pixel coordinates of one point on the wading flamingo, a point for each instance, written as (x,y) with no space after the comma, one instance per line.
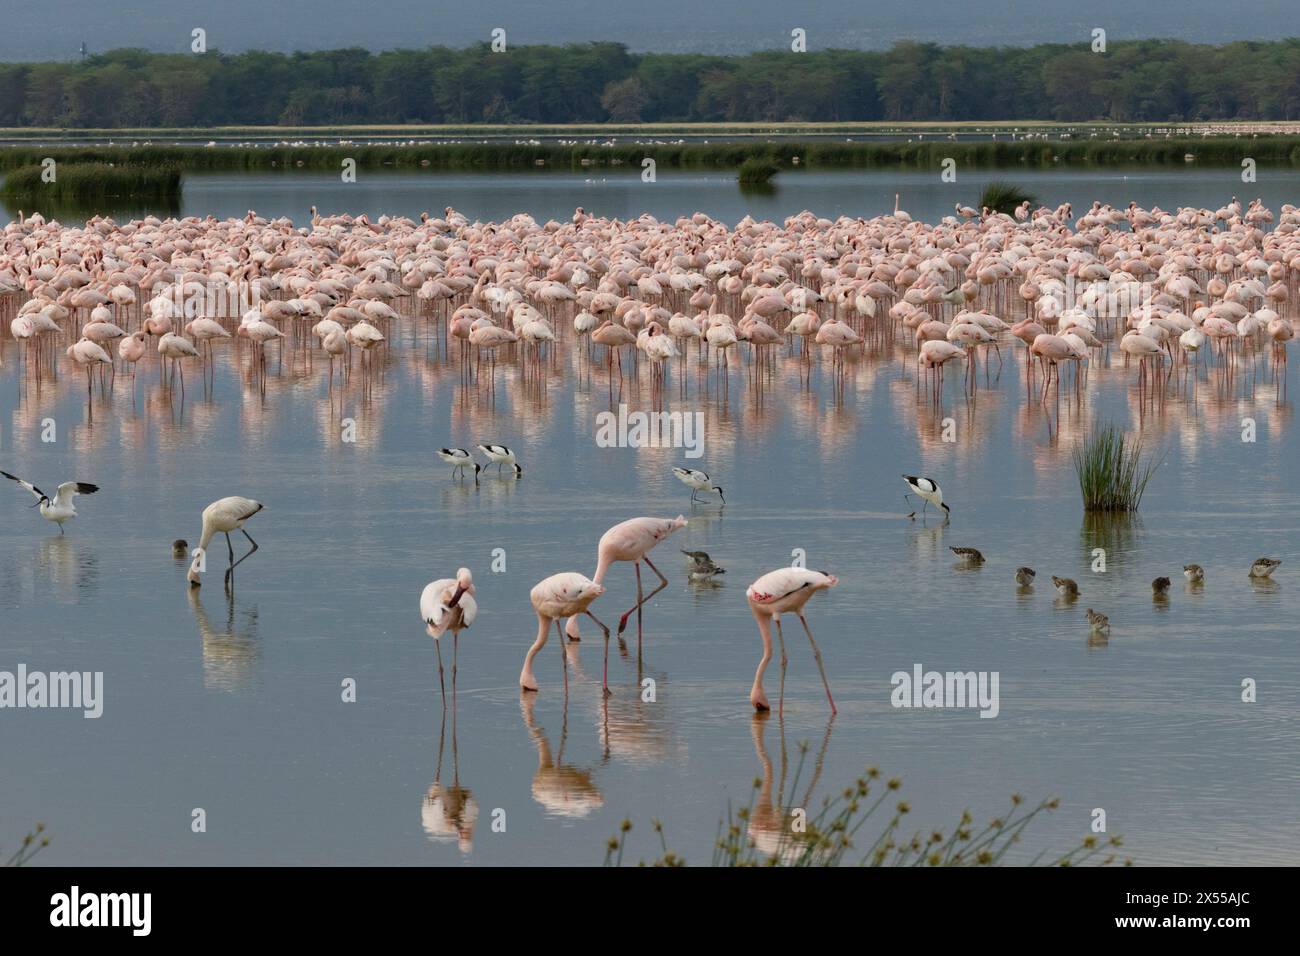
(561,595)
(784,591)
(448,605)
(632,541)
(224,515)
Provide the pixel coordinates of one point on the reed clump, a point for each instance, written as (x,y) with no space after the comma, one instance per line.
(1004,197)
(757,171)
(92,181)
(1113,472)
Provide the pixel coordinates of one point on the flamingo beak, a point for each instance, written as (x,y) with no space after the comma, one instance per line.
(455,598)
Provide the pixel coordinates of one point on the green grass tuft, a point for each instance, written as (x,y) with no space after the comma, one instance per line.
(1004,197)
(757,171)
(1112,472)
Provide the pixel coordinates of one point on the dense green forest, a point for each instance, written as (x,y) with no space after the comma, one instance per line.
(1138,81)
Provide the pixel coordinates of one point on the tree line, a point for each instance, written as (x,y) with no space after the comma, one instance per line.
(1135,81)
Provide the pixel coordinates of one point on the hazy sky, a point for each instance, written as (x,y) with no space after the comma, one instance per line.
(54,29)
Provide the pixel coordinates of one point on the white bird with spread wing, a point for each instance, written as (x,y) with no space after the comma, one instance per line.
(59,508)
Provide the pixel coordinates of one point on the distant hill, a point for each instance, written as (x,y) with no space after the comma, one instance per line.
(55,30)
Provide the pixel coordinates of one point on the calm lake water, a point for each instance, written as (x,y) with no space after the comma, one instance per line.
(234,706)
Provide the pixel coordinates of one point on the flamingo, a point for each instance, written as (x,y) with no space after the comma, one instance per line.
(784,591)
(177,347)
(223,515)
(631,540)
(448,605)
(87,354)
(562,595)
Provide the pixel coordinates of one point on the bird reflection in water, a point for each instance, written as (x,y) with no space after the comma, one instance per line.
(563,791)
(69,569)
(772,827)
(230,653)
(449,812)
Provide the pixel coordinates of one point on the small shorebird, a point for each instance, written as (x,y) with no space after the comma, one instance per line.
(1065,587)
(500,455)
(784,591)
(968,555)
(1160,587)
(223,515)
(59,508)
(1100,622)
(929,490)
(180,548)
(1263,567)
(1194,573)
(459,459)
(702,566)
(1025,577)
(697,481)
(448,605)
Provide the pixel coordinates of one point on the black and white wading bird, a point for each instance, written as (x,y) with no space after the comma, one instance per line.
(929,491)
(223,516)
(459,459)
(698,481)
(59,508)
(501,455)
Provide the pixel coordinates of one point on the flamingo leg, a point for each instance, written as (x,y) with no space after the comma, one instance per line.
(441,686)
(605,679)
(663,583)
(639,601)
(820,667)
(455,651)
(246,556)
(231,548)
(564,656)
(756,695)
(526,679)
(780,704)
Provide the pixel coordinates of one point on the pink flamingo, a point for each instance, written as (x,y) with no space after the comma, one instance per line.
(448,605)
(615,338)
(935,354)
(631,541)
(86,354)
(784,591)
(566,594)
(1051,350)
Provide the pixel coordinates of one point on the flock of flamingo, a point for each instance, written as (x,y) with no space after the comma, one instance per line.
(1192,286)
